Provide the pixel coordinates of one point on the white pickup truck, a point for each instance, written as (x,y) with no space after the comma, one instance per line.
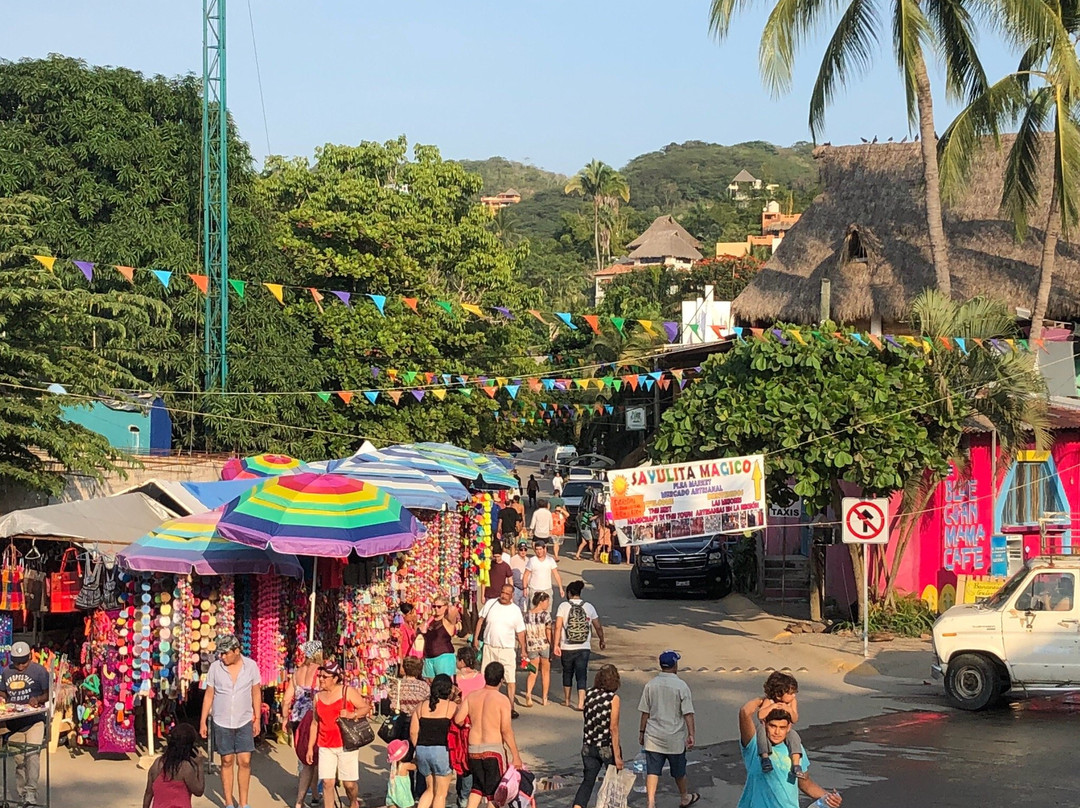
(1025,638)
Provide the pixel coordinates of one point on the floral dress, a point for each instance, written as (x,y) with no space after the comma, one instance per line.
(536,637)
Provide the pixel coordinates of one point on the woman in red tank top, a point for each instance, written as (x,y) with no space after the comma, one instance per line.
(176,776)
(332,701)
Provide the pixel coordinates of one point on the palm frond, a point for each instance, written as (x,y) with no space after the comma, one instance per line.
(954,33)
(721,12)
(1066,162)
(850,51)
(911,33)
(1021,187)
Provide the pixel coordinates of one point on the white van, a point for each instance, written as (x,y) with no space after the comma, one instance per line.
(563,455)
(1025,637)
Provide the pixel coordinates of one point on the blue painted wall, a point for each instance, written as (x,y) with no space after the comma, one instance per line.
(146,430)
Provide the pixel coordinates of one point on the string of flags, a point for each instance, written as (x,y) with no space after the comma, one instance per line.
(670,329)
(897,341)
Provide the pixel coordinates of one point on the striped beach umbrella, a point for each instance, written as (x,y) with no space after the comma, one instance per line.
(430,461)
(496,470)
(324,515)
(261,465)
(190,545)
(412,487)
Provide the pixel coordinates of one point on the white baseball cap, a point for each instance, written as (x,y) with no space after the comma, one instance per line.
(20,652)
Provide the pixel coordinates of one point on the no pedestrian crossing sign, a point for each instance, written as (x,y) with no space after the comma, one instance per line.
(866,521)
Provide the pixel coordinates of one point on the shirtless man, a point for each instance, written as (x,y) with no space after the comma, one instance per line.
(490,735)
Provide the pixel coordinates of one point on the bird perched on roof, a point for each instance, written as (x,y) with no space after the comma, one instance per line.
(904,140)
(864,140)
(874,140)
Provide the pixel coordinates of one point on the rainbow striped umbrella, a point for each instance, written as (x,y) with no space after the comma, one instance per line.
(327,515)
(261,465)
(189,544)
(413,488)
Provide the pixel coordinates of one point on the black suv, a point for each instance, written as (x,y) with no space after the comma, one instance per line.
(684,565)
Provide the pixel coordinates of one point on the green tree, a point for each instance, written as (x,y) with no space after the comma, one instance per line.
(52,331)
(934,25)
(603,185)
(1043,95)
(1004,389)
(367,220)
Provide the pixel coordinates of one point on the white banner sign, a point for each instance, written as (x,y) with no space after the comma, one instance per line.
(683,500)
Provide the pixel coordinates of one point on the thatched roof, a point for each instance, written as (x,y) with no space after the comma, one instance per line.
(664,224)
(873,194)
(745,176)
(667,244)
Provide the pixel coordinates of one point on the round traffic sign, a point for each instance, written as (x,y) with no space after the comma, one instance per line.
(865,520)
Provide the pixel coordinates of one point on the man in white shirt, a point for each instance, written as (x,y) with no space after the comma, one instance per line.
(575,623)
(541,523)
(234,698)
(557,483)
(667,728)
(500,624)
(539,571)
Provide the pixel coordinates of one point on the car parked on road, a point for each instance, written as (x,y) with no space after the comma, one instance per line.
(682,566)
(1023,639)
(573,492)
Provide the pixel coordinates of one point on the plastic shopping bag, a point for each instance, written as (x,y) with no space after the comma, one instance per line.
(616,788)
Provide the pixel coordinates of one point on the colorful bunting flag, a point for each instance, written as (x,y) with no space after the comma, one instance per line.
(316,295)
(718,331)
(202,282)
(344,297)
(439,393)
(277,290)
(647,325)
(565,317)
(380,303)
(620,324)
(538,316)
(371,395)
(46,261)
(163,275)
(505,312)
(324,396)
(127,272)
(345,395)
(512,389)
(238,286)
(445,306)
(473,309)
(411,303)
(672,330)
(418,394)
(593,321)
(395,395)
(961,343)
(87,269)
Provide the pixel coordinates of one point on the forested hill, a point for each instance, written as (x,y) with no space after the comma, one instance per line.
(500,174)
(681,174)
(672,178)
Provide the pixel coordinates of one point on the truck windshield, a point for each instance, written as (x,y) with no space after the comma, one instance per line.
(997,600)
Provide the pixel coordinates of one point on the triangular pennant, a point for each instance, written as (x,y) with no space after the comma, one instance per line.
(429,377)
(375,372)
(316,295)
(1011,343)
(277,290)
(127,272)
(738,331)
(466,391)
(647,325)
(87,269)
(665,383)
(473,309)
(380,303)
(46,261)
(202,282)
(718,331)
(505,312)
(345,395)
(238,287)
(961,343)
(409,376)
(795,335)
(371,395)
(617,384)
(609,409)
(418,394)
(512,389)
(395,395)
(439,393)
(323,396)
(538,316)
(445,305)
(677,373)
(593,321)
(632,380)
(344,297)
(619,323)
(978,341)
(1040,344)
(583,384)
(565,317)
(392,374)
(501,381)
(946,343)
(671,329)
(697,330)
(163,275)
(776,332)
(411,303)
(491,391)
(758,333)
(1023,343)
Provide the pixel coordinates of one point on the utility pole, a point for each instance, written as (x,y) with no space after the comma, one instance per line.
(215,196)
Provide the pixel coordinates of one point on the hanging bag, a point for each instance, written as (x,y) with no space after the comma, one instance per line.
(355,732)
(64,585)
(90,596)
(616,788)
(395,727)
(11,579)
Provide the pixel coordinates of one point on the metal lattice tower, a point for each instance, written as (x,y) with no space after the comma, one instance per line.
(215,195)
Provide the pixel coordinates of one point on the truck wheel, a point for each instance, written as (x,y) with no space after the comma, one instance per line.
(636,586)
(724,587)
(972,682)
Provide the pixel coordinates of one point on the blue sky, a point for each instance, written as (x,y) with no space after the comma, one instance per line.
(553,83)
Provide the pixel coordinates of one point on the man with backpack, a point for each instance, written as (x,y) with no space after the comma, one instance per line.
(575,623)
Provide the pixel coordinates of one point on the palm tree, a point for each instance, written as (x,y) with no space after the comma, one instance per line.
(917,27)
(601,183)
(1043,95)
(1005,389)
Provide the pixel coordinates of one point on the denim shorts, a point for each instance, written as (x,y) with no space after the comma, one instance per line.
(654,764)
(433,760)
(229,741)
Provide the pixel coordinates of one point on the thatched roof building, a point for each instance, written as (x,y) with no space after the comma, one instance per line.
(866,233)
(664,224)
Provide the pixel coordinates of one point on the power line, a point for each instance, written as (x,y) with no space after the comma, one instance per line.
(258,75)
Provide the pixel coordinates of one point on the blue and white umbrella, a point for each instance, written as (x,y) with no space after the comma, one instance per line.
(413,488)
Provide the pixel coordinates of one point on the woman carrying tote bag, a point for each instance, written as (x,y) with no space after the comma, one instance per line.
(333,701)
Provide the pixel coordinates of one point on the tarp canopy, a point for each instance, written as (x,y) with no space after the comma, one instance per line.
(118,520)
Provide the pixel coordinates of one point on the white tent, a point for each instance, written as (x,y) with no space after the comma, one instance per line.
(117,520)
